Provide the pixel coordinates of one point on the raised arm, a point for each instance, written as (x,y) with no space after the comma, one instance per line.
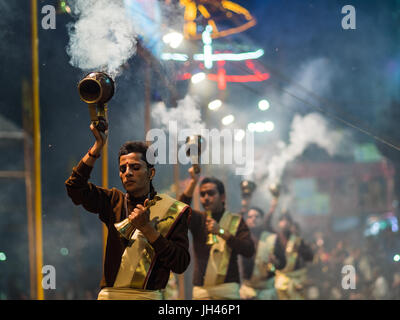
(187,195)
(82,192)
(268,216)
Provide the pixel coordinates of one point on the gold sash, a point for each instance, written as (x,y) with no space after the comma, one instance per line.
(289,283)
(220,253)
(291,253)
(137,260)
(262,266)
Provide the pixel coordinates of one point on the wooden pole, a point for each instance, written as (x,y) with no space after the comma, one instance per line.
(27,136)
(36,150)
(104,174)
(181,277)
(147,99)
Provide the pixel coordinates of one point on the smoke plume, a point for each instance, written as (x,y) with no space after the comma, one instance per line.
(187,115)
(310,129)
(103,38)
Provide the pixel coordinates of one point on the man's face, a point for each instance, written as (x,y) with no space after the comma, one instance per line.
(135,175)
(284,225)
(253,218)
(210,198)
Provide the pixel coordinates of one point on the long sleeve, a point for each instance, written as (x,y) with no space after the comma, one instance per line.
(173,253)
(94,199)
(305,251)
(242,242)
(196,221)
(268,222)
(185,199)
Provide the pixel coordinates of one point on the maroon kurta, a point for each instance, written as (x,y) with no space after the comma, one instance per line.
(241,244)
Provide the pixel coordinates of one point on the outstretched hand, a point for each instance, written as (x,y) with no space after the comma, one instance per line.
(195,176)
(212,226)
(100,135)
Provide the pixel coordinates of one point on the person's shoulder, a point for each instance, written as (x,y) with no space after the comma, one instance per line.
(116,194)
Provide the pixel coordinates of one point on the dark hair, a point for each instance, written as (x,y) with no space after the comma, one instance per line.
(286,216)
(218,183)
(135,146)
(138,147)
(260,212)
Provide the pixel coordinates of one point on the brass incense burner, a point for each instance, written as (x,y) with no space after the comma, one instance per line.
(96,89)
(194,147)
(247,187)
(275,189)
(125,227)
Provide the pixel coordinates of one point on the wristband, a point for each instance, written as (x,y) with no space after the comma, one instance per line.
(92,155)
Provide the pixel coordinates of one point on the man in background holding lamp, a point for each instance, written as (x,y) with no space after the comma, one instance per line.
(216,271)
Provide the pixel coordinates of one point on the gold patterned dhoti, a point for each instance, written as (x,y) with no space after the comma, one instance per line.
(224,291)
(128,294)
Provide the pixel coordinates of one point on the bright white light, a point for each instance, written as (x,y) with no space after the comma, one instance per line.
(215,105)
(198,77)
(269,126)
(239,135)
(208,63)
(375,228)
(207,40)
(231,56)
(259,127)
(263,105)
(174,56)
(206,35)
(173,39)
(251,126)
(396,258)
(228,120)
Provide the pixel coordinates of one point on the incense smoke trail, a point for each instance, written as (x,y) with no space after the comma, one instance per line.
(187,115)
(103,38)
(305,130)
(310,129)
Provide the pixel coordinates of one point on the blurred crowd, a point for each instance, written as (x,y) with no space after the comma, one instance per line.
(377,273)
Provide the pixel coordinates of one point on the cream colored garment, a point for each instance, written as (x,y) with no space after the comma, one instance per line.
(128,294)
(290,285)
(141,249)
(220,252)
(265,248)
(224,291)
(247,292)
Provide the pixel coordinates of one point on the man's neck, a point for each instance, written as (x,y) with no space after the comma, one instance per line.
(137,196)
(218,214)
(285,234)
